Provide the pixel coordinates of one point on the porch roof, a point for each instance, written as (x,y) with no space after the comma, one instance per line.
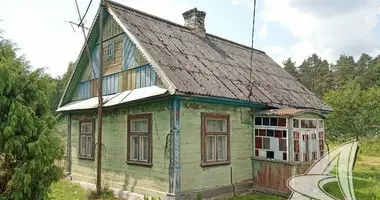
(287,112)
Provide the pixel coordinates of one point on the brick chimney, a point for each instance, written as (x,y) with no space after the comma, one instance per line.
(195,20)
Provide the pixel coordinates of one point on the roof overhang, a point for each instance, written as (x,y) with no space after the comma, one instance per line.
(288,112)
(114,99)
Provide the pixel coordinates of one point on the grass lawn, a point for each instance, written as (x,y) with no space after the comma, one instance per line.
(64,190)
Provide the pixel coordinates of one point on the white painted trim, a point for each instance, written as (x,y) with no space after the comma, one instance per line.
(164,78)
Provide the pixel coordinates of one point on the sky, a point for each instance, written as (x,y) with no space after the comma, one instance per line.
(283,28)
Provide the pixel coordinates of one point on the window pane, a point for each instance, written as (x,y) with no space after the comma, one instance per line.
(270,154)
(214,125)
(258,121)
(266,143)
(222,147)
(273,121)
(139,125)
(144,148)
(270,133)
(86,127)
(304,124)
(89,146)
(134,148)
(313,124)
(295,123)
(82,148)
(281,121)
(282,144)
(210,148)
(265,121)
(320,123)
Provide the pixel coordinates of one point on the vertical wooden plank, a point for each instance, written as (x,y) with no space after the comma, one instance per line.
(148,72)
(138,77)
(153,77)
(129,80)
(116,82)
(133,79)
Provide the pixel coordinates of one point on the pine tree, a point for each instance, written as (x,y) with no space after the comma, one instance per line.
(291,68)
(315,74)
(28,146)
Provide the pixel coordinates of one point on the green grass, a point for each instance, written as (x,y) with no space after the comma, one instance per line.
(64,190)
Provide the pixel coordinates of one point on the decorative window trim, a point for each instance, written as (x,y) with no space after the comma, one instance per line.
(92,134)
(130,134)
(204,133)
(111,50)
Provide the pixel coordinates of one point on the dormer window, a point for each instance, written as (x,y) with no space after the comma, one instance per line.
(111,51)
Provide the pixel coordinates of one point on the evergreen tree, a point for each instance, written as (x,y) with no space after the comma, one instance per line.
(291,68)
(315,74)
(28,146)
(344,70)
(361,68)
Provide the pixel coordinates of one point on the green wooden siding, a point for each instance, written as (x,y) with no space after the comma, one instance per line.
(195,177)
(152,181)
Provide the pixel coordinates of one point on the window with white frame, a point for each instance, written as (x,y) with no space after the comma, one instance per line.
(215,139)
(86,139)
(271,138)
(111,50)
(308,139)
(140,139)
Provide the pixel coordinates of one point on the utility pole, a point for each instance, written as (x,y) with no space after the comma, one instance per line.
(100,99)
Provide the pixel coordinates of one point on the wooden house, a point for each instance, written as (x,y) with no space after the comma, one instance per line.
(186,113)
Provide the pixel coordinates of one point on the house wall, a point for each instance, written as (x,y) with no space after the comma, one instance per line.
(151,181)
(196,178)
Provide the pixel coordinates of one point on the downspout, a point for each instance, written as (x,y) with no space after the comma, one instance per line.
(68,147)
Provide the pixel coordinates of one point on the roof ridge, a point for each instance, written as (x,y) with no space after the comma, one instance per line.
(145,13)
(179,25)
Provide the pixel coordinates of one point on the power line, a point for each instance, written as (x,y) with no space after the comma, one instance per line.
(252,39)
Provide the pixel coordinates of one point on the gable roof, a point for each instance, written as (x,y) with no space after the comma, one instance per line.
(211,66)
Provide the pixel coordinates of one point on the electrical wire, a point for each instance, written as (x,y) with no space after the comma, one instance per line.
(252,39)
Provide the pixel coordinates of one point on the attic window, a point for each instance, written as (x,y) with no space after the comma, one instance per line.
(111,51)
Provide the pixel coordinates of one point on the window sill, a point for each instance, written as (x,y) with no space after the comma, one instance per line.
(86,158)
(139,163)
(211,164)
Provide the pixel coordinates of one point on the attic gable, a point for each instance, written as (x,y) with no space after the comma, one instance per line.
(127,69)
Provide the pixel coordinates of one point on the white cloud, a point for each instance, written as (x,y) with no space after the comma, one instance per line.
(263,32)
(349,32)
(278,53)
